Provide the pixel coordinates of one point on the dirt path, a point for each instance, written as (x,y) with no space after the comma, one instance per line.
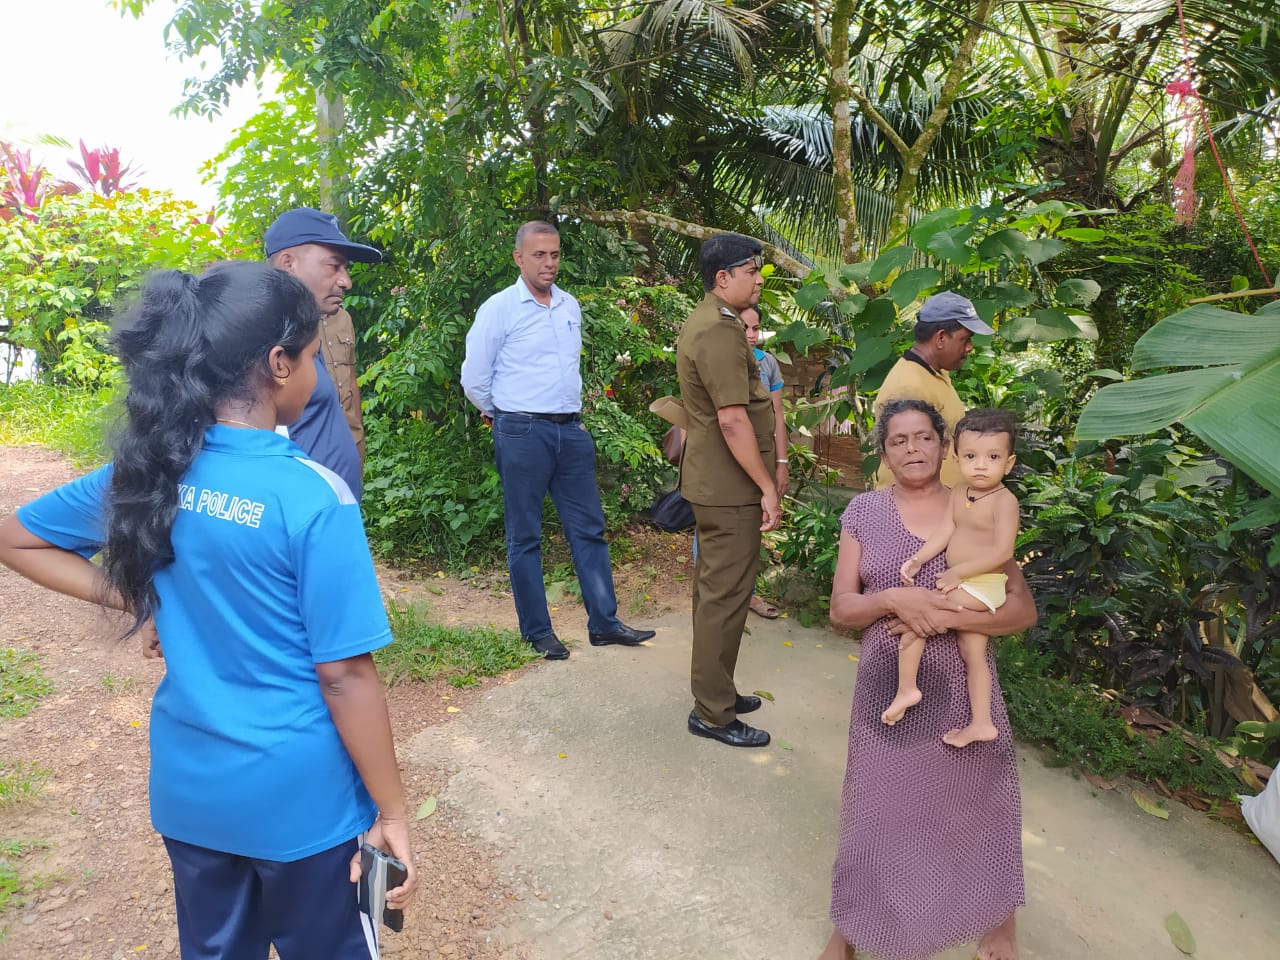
(576,817)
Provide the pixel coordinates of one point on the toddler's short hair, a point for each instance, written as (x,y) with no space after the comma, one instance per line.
(988,420)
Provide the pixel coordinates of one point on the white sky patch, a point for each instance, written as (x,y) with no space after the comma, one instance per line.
(109,80)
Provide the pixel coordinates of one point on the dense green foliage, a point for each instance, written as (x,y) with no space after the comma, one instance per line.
(1082,731)
(74,260)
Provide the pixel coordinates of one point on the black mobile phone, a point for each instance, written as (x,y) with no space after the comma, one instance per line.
(380,872)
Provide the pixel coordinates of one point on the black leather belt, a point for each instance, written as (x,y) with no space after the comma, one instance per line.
(553,417)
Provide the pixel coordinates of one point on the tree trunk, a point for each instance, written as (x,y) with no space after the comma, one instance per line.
(914,156)
(647,220)
(841,133)
(331,120)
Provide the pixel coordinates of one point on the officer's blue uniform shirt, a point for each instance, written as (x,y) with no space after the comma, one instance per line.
(272,575)
(322,431)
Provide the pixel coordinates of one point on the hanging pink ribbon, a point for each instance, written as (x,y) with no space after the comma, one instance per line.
(1184,183)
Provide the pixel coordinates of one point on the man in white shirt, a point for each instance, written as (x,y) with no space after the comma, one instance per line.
(522,373)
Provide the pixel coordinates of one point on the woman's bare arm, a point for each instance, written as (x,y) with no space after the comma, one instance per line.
(851,609)
(1016,614)
(52,567)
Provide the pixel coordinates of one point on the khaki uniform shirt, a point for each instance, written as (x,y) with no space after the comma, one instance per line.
(716,369)
(910,380)
(338,346)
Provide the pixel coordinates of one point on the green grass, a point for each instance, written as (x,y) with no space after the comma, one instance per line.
(67,419)
(22,683)
(422,650)
(20,782)
(116,685)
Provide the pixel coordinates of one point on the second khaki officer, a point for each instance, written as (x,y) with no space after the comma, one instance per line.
(727,474)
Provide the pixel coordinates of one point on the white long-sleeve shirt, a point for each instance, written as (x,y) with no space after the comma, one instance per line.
(523,356)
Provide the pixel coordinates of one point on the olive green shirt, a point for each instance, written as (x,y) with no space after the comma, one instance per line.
(716,370)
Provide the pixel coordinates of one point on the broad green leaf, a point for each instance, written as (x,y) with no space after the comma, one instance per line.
(1240,422)
(869,352)
(1106,373)
(1004,243)
(765,694)
(953,245)
(811,294)
(1180,934)
(1083,234)
(852,305)
(1077,292)
(878,319)
(911,284)
(1202,335)
(889,261)
(1138,407)
(986,309)
(855,274)
(1010,296)
(1038,251)
(933,223)
(427,808)
(801,335)
(1047,325)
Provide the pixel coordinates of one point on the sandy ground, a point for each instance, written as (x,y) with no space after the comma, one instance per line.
(577,818)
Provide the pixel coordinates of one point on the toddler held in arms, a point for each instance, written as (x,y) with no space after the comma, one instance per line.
(978,534)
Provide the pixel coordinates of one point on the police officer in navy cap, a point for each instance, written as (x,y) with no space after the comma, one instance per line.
(727,473)
(309,244)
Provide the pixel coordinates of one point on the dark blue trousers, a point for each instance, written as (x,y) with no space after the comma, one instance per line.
(534,458)
(234,908)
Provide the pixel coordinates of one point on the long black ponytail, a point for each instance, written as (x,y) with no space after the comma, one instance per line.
(190,344)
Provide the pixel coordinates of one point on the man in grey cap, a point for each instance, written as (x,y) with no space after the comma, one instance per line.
(310,245)
(944,330)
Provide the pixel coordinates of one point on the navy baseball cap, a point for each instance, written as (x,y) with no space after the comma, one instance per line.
(293,228)
(948,306)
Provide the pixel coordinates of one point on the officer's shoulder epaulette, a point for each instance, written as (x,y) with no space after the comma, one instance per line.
(726,312)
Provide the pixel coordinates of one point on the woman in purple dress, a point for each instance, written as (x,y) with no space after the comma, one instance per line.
(930,849)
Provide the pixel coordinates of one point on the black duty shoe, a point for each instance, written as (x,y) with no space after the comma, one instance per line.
(736,734)
(746,704)
(627,636)
(550,647)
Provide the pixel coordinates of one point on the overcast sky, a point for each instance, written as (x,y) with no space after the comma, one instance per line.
(77,69)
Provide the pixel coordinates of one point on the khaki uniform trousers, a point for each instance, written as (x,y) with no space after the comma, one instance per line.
(723,578)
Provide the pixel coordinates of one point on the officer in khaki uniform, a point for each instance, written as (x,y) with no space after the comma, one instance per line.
(727,474)
(338,345)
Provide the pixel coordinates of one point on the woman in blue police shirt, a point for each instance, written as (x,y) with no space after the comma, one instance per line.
(271,749)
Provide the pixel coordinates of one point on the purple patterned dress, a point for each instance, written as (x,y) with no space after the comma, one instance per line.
(930,836)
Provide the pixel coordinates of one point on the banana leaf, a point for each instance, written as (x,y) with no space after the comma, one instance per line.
(1231,400)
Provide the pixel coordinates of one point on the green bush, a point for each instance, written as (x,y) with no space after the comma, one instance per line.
(1126,566)
(428,493)
(809,540)
(1081,730)
(71,266)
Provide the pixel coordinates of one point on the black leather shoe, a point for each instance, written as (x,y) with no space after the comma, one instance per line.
(746,704)
(627,636)
(550,647)
(736,734)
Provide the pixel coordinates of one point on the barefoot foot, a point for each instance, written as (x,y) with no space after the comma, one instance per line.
(837,949)
(973,733)
(1000,943)
(901,703)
